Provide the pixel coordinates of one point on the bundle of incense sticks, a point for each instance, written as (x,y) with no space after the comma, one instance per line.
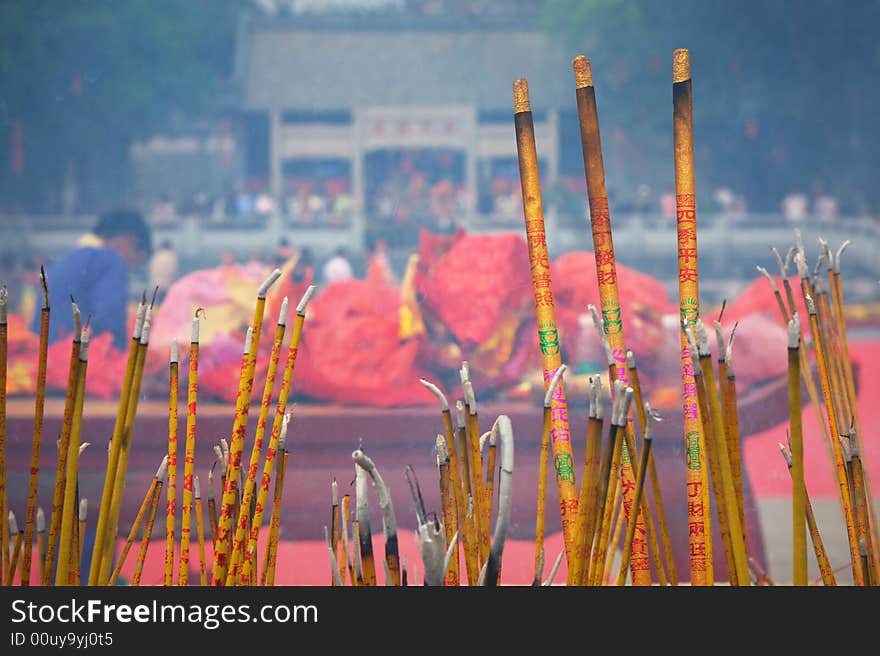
(617,512)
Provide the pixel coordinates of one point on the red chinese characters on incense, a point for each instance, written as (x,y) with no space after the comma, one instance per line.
(548,335)
(689,304)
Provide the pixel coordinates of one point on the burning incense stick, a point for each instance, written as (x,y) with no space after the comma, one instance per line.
(335,576)
(38,434)
(430,539)
(68,507)
(476,470)
(389,522)
(689,302)
(48,563)
(334,520)
(41,536)
(200,531)
(505,500)
(825,568)
(470,542)
(450,520)
(148,532)
(155,487)
(542,469)
(798,489)
(730,418)
(587,501)
(872,575)
(640,483)
(548,335)
(241,532)
(83,518)
(189,453)
(171,505)
(346,545)
(124,448)
(16,549)
(364,535)
(849,519)
(212,506)
(603,483)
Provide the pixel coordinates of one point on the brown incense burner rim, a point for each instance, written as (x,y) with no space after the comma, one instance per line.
(681,65)
(521,97)
(583,74)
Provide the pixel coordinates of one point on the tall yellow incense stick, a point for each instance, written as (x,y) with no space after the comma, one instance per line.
(200,531)
(470,544)
(457,486)
(848,517)
(689,304)
(542,473)
(113,456)
(152,492)
(68,508)
(38,435)
(606,268)
(124,449)
(66,423)
(277,426)
(548,334)
(189,454)
(241,532)
(476,470)
(798,489)
(171,505)
(730,416)
(4,346)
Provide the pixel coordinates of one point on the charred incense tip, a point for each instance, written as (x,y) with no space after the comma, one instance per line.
(767,275)
(444,404)
(44,287)
(702,339)
(304,301)
(811,306)
(583,74)
(225,446)
(155,294)
(218,456)
(282,438)
(597,389)
(13,525)
(194,339)
(197,491)
(464,373)
(248,338)
(557,376)
(794,331)
(162,472)
(651,417)
(681,65)
(4,301)
(485,438)
(174,354)
(442,450)
(139,319)
(603,338)
(363,460)
(268,282)
(469,397)
(334,493)
(785,454)
(695,352)
(826,251)
(719,341)
(624,406)
(282,315)
(840,250)
(521,97)
(783,266)
(800,261)
(77,320)
(41,520)
(863,548)
(145,329)
(844,445)
(83,447)
(459,413)
(818,266)
(211,479)
(84,338)
(83,509)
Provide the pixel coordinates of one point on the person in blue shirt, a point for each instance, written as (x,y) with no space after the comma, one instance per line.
(96,275)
